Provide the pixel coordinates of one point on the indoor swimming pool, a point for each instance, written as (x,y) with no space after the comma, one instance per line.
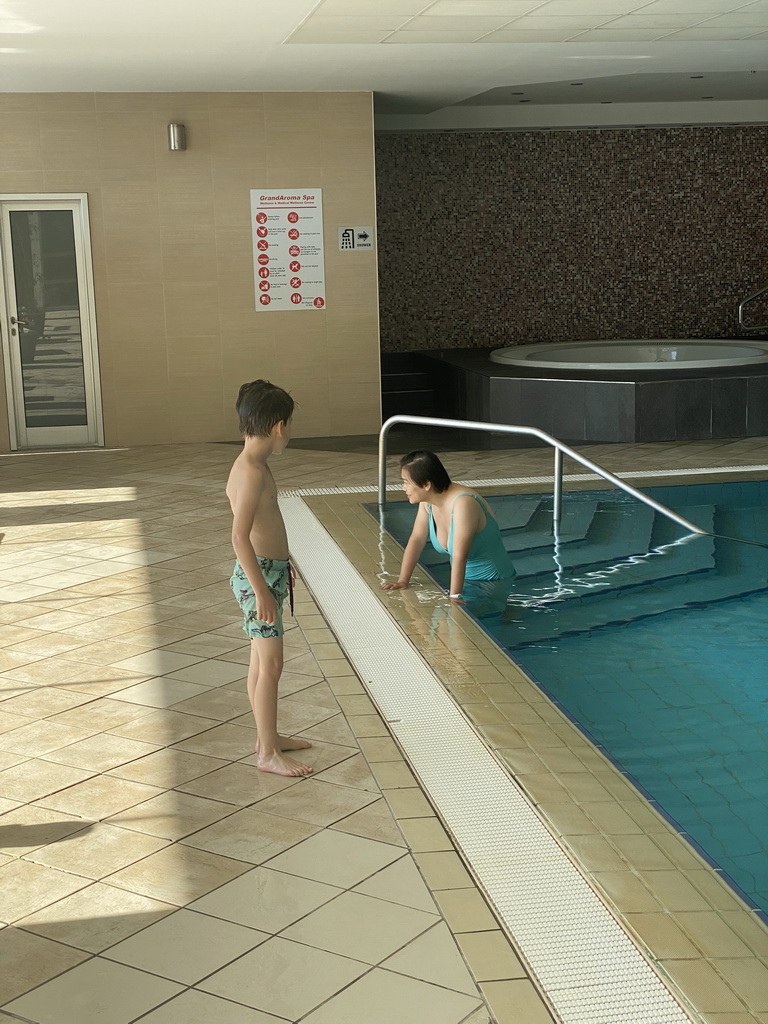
(654,643)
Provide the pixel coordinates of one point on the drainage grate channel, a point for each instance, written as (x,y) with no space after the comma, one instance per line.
(587,965)
(545,480)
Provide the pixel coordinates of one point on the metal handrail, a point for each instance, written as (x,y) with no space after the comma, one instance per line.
(743,303)
(560,450)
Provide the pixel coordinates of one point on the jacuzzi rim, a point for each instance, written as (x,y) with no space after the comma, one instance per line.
(662,365)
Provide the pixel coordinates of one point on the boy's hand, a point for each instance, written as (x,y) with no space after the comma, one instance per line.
(266,608)
(397,585)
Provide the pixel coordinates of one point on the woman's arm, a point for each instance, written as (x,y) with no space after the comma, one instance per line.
(466,522)
(413,549)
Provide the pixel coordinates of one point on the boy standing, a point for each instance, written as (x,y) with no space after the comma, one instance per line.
(261,582)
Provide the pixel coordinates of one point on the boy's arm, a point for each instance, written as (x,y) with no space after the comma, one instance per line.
(250,488)
(413,550)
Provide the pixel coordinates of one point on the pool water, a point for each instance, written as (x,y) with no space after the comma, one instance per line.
(654,643)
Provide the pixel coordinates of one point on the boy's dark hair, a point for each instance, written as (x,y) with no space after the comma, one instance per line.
(424,468)
(260,405)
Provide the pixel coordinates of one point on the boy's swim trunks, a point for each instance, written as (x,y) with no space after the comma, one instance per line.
(277,574)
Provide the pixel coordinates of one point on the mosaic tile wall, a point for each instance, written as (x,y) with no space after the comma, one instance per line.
(507,238)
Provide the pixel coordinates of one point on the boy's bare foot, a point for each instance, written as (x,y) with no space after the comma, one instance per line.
(279,765)
(289,743)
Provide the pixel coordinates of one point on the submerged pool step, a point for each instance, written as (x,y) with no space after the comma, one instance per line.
(576,522)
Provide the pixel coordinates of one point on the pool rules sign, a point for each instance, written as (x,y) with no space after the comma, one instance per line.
(288,263)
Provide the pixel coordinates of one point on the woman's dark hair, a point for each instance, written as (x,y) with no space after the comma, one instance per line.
(424,468)
(260,405)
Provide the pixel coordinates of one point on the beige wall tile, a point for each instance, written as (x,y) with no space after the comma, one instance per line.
(173,270)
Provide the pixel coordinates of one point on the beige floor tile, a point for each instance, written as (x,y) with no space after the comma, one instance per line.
(160,692)
(663,935)
(97,850)
(156,662)
(516,1002)
(673,891)
(382,997)
(239,784)
(748,977)
(44,702)
(259,978)
(29,960)
(96,990)
(171,815)
(37,738)
(433,957)
(228,741)
(627,891)
(354,772)
(465,910)
(367,725)
(193,1007)
(26,887)
(100,753)
(163,727)
(393,775)
(26,828)
(100,715)
(250,835)
(317,801)
(444,870)
(221,704)
(336,858)
(425,834)
(210,673)
(372,822)
(266,899)
(343,926)
(96,917)
(408,803)
(168,768)
(713,936)
(704,985)
(33,779)
(400,882)
(332,730)
(177,874)
(186,946)
(206,645)
(490,956)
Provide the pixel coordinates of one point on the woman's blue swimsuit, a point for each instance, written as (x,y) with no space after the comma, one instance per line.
(488,559)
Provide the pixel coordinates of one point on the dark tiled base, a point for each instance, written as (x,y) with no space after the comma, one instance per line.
(591,406)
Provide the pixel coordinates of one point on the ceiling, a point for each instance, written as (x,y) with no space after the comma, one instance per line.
(430,63)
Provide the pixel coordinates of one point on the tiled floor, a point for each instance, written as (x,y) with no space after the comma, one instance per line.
(152,872)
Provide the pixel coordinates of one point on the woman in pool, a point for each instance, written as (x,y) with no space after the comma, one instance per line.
(458,522)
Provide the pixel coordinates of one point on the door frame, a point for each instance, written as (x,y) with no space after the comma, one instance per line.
(78,203)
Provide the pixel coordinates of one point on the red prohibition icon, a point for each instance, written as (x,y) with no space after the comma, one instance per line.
(262,232)
(264,286)
(294,266)
(295,282)
(263,271)
(293,233)
(263,259)
(261,218)
(293,217)
(262,245)
(296,298)
(319,302)
(294,250)
(265,299)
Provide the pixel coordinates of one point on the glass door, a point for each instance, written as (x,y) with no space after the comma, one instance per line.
(48,323)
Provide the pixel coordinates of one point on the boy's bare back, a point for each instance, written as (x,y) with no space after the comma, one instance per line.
(252,494)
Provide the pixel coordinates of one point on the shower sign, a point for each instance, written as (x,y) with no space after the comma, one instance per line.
(288,259)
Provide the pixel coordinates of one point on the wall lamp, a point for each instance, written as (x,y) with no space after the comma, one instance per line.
(177,136)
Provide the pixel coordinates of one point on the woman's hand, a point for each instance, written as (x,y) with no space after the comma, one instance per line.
(397,585)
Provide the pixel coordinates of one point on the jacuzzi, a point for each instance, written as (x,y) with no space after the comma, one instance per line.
(636,354)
